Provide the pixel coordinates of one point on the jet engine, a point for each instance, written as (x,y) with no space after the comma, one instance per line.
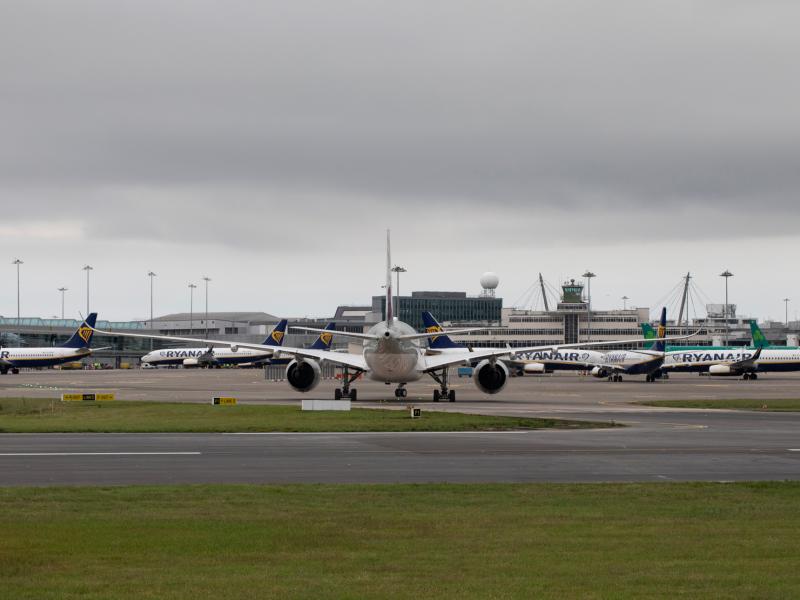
(489,377)
(535,368)
(600,372)
(303,376)
(720,370)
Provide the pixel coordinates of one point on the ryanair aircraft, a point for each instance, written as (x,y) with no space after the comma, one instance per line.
(74,349)
(391,355)
(210,356)
(736,361)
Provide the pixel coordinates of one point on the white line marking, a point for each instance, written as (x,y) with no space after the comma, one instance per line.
(102,454)
(794,450)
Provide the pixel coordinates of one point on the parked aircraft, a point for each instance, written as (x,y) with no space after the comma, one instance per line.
(617,363)
(391,355)
(74,349)
(209,356)
(534,361)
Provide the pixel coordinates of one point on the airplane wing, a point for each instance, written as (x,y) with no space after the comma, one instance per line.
(346,359)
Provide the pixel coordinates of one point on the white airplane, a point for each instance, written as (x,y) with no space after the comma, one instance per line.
(209,356)
(525,361)
(76,348)
(649,363)
(391,355)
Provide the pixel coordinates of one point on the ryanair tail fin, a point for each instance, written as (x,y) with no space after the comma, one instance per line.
(759,339)
(324,340)
(440,342)
(276,337)
(662,332)
(82,338)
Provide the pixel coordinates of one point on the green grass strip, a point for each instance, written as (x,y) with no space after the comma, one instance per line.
(404,541)
(734,404)
(23,415)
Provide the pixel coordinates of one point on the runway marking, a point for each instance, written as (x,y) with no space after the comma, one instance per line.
(794,450)
(14,454)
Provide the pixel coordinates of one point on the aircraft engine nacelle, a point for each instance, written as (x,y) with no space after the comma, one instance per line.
(191,362)
(490,378)
(535,368)
(720,370)
(600,372)
(303,376)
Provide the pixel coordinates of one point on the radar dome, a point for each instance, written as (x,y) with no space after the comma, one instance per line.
(490,281)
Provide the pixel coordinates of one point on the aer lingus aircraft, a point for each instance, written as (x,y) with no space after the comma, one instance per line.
(391,355)
(75,348)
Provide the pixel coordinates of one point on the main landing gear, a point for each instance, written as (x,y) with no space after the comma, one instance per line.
(650,378)
(444,393)
(345,391)
(615,378)
(748,376)
(401,391)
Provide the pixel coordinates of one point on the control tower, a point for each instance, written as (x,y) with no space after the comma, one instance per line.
(572,296)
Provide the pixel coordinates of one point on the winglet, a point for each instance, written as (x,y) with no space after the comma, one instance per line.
(82,338)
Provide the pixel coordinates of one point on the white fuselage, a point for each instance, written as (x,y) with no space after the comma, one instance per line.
(179,356)
(771,359)
(41,357)
(391,360)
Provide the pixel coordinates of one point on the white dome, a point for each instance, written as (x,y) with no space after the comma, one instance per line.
(490,281)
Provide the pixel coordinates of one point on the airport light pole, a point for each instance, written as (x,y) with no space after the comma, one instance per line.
(88,270)
(192,288)
(589,275)
(18,262)
(207,280)
(625,302)
(398,270)
(727,275)
(152,276)
(62,290)
(786,308)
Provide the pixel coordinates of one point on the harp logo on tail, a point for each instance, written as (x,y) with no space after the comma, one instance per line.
(434,329)
(85,333)
(277,336)
(326,338)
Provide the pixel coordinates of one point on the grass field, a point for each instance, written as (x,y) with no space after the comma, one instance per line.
(736,404)
(424,541)
(21,415)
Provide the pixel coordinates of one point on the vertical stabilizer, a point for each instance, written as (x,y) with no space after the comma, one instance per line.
(759,339)
(662,332)
(389,305)
(82,338)
(325,339)
(276,336)
(440,342)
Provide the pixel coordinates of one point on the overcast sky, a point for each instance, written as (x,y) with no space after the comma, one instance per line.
(268,145)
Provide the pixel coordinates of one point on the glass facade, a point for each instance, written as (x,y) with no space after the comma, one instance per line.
(447,308)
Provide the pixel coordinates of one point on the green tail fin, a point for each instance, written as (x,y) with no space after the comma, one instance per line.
(648,331)
(759,339)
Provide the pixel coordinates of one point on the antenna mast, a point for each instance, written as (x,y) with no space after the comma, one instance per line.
(544,293)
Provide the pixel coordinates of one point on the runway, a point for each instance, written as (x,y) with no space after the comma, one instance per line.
(657,444)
